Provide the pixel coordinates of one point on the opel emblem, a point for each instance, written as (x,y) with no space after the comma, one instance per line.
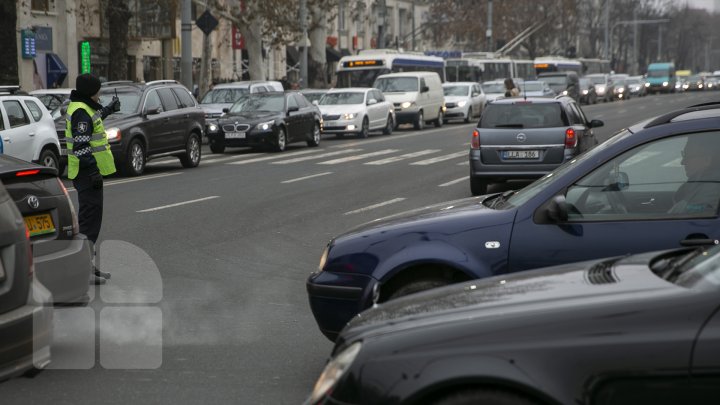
(33,202)
(521,137)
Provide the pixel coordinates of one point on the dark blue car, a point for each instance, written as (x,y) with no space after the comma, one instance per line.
(653,186)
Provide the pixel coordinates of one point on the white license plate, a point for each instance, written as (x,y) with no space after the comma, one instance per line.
(235,135)
(521,154)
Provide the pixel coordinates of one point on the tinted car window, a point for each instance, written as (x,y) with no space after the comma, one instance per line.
(152,101)
(274,102)
(523,115)
(129,98)
(300,99)
(168,99)
(224,95)
(35,110)
(292,102)
(184,96)
(379,96)
(16,114)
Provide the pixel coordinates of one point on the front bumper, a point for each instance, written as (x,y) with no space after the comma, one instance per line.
(457,112)
(352,126)
(335,298)
(407,116)
(253,137)
(64,266)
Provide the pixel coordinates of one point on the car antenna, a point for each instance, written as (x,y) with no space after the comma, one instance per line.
(524,91)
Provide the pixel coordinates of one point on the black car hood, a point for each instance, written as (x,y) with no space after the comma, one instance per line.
(520,294)
(250,117)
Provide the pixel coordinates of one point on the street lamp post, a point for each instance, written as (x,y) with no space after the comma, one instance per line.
(304,56)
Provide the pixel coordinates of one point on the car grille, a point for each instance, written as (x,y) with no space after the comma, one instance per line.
(235,127)
(396,105)
(331,117)
(602,273)
(450,105)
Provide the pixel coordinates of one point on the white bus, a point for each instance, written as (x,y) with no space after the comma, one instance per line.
(524,69)
(471,69)
(361,70)
(591,66)
(557,64)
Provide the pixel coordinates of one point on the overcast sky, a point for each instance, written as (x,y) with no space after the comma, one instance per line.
(706,4)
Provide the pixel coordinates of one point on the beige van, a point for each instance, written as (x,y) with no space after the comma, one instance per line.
(417,97)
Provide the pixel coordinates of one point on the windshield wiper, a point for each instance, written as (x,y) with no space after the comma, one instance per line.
(502,198)
(675,267)
(510,126)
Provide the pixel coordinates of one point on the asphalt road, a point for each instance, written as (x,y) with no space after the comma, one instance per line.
(221,254)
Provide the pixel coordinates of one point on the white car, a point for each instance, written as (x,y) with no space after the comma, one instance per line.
(356,111)
(26,129)
(493,89)
(464,100)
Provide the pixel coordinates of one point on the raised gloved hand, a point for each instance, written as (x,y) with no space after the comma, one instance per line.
(114,104)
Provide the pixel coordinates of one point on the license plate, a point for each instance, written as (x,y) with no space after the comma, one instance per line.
(235,135)
(521,154)
(39,224)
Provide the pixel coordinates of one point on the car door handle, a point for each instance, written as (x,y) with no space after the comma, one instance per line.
(648,202)
(699,242)
(31,134)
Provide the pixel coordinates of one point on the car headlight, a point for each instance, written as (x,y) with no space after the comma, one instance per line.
(462,103)
(585,92)
(334,370)
(665,84)
(601,89)
(620,90)
(323,258)
(349,116)
(265,126)
(564,93)
(406,104)
(647,84)
(113,134)
(213,127)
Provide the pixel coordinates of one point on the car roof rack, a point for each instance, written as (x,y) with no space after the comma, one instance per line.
(667,118)
(10,90)
(154,82)
(118,82)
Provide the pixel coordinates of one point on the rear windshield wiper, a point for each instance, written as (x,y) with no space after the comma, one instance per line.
(510,126)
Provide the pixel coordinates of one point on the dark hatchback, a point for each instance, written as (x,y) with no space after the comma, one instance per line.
(634,193)
(641,329)
(270,120)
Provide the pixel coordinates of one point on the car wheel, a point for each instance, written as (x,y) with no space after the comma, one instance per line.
(191,158)
(494,397)
(417,286)
(49,158)
(281,141)
(365,129)
(469,115)
(217,147)
(135,159)
(477,186)
(315,141)
(440,120)
(419,121)
(389,126)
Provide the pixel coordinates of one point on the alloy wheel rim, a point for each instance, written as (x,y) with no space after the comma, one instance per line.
(194,150)
(137,159)
(316,134)
(49,162)
(281,140)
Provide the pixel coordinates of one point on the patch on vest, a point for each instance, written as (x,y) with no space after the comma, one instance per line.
(82,127)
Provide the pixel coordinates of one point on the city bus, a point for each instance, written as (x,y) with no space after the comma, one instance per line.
(557,64)
(362,69)
(591,66)
(471,69)
(524,69)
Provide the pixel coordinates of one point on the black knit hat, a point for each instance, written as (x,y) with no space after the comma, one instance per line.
(87,84)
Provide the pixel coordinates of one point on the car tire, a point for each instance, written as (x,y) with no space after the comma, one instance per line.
(494,397)
(389,126)
(440,120)
(49,158)
(419,123)
(135,158)
(217,147)
(364,129)
(417,286)
(193,152)
(478,186)
(315,140)
(281,140)
(469,115)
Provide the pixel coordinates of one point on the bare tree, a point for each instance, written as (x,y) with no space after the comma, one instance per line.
(118,15)
(8,42)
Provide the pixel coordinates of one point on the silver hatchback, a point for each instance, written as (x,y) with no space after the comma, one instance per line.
(527,138)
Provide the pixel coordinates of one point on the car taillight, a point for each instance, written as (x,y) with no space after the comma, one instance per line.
(570,139)
(73,214)
(475,141)
(31,263)
(27,173)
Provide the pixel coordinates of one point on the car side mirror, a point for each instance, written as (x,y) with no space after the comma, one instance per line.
(424,89)
(596,124)
(315,102)
(293,109)
(557,211)
(226,110)
(372,101)
(474,94)
(617,181)
(153,111)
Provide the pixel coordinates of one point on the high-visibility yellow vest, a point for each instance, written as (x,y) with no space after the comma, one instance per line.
(99,146)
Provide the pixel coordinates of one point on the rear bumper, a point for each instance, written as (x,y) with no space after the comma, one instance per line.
(510,170)
(26,334)
(65,269)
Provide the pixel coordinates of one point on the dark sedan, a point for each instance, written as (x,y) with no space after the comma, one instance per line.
(271,120)
(653,186)
(641,329)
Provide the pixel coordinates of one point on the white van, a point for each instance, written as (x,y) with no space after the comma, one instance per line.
(417,97)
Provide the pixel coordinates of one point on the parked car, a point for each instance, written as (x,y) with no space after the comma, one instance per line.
(563,83)
(271,120)
(52,98)
(636,86)
(493,89)
(603,86)
(224,95)
(637,329)
(526,139)
(621,90)
(356,111)
(536,88)
(652,186)
(417,96)
(313,95)
(25,304)
(587,92)
(463,100)
(156,119)
(62,256)
(26,129)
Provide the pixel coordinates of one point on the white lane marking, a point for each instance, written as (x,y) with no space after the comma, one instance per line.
(179,204)
(465,163)
(225,159)
(358,157)
(450,183)
(273,157)
(123,181)
(372,207)
(440,158)
(403,157)
(305,178)
(320,156)
(393,137)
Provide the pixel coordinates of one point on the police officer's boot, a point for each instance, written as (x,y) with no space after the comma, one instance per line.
(95,280)
(101,274)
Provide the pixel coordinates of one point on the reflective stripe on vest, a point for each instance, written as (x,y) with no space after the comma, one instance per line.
(99,146)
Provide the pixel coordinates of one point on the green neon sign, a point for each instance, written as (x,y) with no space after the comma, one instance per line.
(85,57)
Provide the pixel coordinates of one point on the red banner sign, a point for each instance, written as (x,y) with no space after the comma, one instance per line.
(238,42)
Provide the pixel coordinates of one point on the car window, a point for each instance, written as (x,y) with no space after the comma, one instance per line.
(573,115)
(300,100)
(580,113)
(184,96)
(261,89)
(35,110)
(396,84)
(379,96)
(523,115)
(422,83)
(674,177)
(168,99)
(2,123)
(291,102)
(152,101)
(129,98)
(15,113)
(341,98)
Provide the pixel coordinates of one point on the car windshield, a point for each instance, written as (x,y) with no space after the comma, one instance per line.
(275,102)
(703,268)
(530,191)
(129,98)
(523,115)
(597,79)
(456,90)
(658,73)
(397,84)
(313,95)
(553,79)
(342,98)
(532,86)
(693,78)
(493,87)
(223,96)
(632,81)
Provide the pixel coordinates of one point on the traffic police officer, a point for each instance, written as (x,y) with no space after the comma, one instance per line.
(89,156)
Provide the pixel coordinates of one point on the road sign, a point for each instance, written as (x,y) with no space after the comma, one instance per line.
(206,22)
(238,42)
(28,44)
